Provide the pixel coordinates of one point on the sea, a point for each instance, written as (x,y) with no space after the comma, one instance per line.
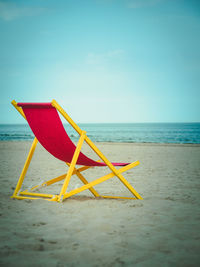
(176,133)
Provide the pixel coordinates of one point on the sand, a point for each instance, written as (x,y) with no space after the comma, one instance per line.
(161,230)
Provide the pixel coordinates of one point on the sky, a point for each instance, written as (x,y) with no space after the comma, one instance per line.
(102,60)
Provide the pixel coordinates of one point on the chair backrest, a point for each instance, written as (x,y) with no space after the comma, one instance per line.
(47,127)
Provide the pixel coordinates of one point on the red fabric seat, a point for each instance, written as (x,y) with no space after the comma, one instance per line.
(47,127)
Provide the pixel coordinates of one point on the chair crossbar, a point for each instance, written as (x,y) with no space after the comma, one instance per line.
(99,180)
(26,193)
(59,178)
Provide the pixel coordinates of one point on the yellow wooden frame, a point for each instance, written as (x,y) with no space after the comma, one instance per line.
(72,169)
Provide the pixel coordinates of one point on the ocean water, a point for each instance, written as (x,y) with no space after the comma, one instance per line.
(118,132)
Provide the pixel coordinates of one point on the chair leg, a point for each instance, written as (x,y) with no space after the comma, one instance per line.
(72,166)
(112,168)
(129,186)
(82,178)
(26,165)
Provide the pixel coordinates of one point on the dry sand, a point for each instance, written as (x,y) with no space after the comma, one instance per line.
(161,230)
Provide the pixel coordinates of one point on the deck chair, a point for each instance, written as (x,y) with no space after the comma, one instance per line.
(48,129)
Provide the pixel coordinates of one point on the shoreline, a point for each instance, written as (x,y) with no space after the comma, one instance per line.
(118,143)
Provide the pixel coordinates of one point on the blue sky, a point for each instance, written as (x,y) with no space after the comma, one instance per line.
(102,60)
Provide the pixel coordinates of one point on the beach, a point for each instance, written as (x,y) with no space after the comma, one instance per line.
(163,229)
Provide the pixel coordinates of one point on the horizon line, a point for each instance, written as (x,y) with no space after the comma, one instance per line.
(16,123)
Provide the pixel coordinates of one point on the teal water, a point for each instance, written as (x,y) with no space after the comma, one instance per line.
(118,132)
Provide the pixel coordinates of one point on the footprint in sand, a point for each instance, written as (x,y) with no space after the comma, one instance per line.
(52,242)
(75,246)
(39,247)
(39,224)
(136,205)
